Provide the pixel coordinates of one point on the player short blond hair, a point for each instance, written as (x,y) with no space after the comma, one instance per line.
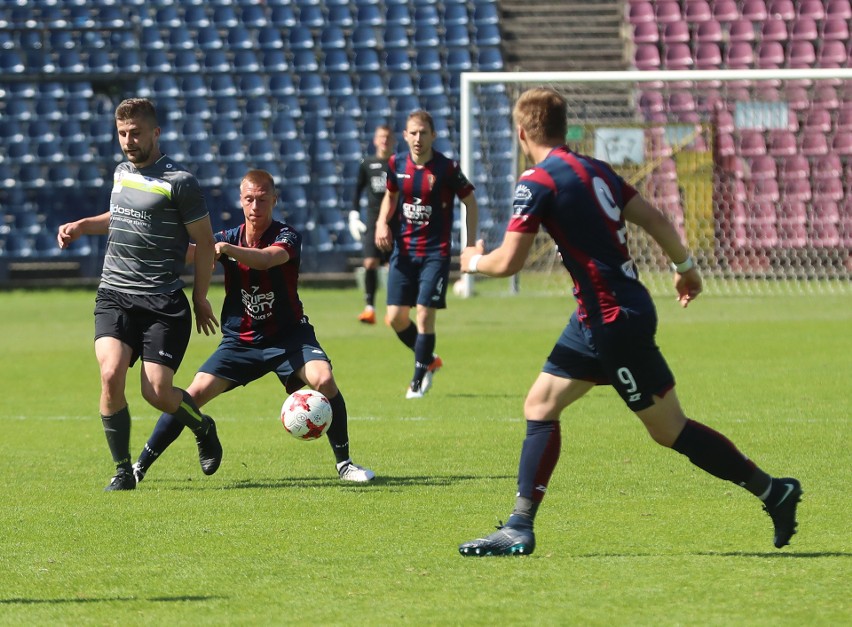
(422,116)
(543,114)
(261,178)
(136,109)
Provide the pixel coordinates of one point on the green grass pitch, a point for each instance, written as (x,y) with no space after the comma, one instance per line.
(629,534)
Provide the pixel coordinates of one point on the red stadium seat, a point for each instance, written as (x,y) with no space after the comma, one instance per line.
(741,30)
(842,143)
(813,144)
(751,143)
(774,29)
(782,143)
(709,31)
(794,167)
(763,167)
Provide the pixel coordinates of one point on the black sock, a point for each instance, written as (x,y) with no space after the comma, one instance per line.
(371,280)
(714,453)
(338,431)
(408,335)
(117,431)
(424,347)
(190,416)
(166,431)
(539,455)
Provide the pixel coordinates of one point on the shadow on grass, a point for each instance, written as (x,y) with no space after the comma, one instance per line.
(175,599)
(330,482)
(777,554)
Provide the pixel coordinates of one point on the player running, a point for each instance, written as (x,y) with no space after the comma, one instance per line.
(583,204)
(421,190)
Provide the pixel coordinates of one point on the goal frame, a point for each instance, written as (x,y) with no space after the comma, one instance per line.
(470,80)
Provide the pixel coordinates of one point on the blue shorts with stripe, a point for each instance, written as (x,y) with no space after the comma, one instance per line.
(242,363)
(622,353)
(418,281)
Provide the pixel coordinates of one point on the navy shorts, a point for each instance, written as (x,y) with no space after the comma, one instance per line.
(622,353)
(418,281)
(156,327)
(242,363)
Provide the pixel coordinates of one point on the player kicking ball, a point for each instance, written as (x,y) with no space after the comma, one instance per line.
(583,204)
(264,330)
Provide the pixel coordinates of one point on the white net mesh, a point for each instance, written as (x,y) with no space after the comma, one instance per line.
(752,167)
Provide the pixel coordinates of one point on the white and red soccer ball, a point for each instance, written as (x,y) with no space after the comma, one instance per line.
(306,414)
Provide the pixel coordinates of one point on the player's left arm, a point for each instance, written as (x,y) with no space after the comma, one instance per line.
(204,257)
(471,218)
(254,258)
(687,280)
(506,260)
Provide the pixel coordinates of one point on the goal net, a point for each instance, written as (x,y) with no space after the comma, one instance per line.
(753,167)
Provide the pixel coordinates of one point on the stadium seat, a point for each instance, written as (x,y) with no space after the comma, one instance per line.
(332,37)
(215,61)
(364,37)
(751,143)
(489,59)
(222,85)
(709,31)
(368,15)
(340,84)
(458,60)
(300,38)
(366,60)
(647,57)
(340,16)
(697,12)
(810,9)
(224,17)
(310,84)
(754,10)
(305,62)
(782,142)
(400,85)
(253,16)
(427,60)
(292,150)
(430,83)
(426,36)
(678,56)
(274,62)
(708,56)
(639,12)
(207,38)
(841,144)
(455,14)
(398,15)
(813,144)
(833,53)
(246,61)
(484,35)
(646,33)
(395,37)
(282,16)
(676,32)
(398,60)
(251,85)
(726,10)
(335,61)
(296,172)
(195,16)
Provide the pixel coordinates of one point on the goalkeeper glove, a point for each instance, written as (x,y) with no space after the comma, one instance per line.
(356,227)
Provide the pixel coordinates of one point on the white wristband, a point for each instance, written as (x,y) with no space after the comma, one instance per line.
(474,261)
(685,265)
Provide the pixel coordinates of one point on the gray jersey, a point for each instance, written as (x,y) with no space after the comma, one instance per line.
(147,241)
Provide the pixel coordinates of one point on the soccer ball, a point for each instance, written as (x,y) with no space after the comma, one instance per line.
(306,415)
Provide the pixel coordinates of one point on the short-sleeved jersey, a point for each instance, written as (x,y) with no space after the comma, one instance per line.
(147,240)
(262,306)
(425,204)
(579,201)
(372,176)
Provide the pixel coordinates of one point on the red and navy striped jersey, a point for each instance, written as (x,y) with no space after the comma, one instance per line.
(579,201)
(426,201)
(262,306)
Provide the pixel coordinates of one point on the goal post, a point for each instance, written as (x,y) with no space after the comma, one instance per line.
(753,167)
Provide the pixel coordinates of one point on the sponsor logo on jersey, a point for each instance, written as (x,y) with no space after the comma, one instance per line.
(522,192)
(258,306)
(415,213)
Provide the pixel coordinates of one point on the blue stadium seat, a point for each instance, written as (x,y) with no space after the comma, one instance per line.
(209,174)
(377,106)
(368,15)
(332,37)
(321,149)
(232,151)
(128,62)
(486,13)
(349,149)
(397,60)
(344,127)
(155,61)
(193,128)
(60,40)
(62,175)
(258,107)
(400,84)
(253,16)
(426,15)
(222,85)
(208,38)
(300,38)
(181,39)
(365,37)
(426,36)
(487,35)
(366,60)
(195,16)
(458,60)
(315,126)
(47,108)
(282,16)
(305,62)
(274,61)
(70,62)
(398,15)
(224,17)
(281,84)
(11,130)
(489,59)
(340,15)
(79,151)
(311,84)
(48,151)
(239,38)
(253,128)
(246,61)
(193,85)
(296,172)
(37,61)
(395,37)
(228,107)
(457,35)
(455,14)
(165,85)
(340,84)
(428,60)
(31,176)
(370,84)
(101,129)
(223,128)
(324,173)
(262,150)
(198,107)
(99,62)
(167,17)
(40,129)
(199,151)
(251,85)
(150,39)
(289,105)
(346,105)
(311,16)
(407,104)
(269,38)
(292,150)
(437,104)
(335,61)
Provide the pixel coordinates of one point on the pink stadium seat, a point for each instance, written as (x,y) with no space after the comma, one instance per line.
(782,143)
(709,31)
(667,169)
(641,12)
(725,10)
(844,119)
(827,165)
(841,9)
(774,29)
(792,211)
(818,120)
(825,212)
(797,98)
(801,54)
(828,189)
(813,144)
(681,102)
(835,29)
(826,96)
(842,143)
(832,53)
(697,11)
(724,121)
(770,54)
(763,213)
(741,30)
(794,167)
(676,32)
(647,57)
(678,57)
(810,9)
(754,10)
(823,235)
(651,102)
(751,143)
(667,11)
(725,145)
(708,56)
(763,167)
(764,190)
(804,29)
(784,9)
(796,190)
(646,33)
(739,56)
(792,234)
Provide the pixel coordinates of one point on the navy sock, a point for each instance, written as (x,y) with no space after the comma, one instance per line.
(539,456)
(371,280)
(189,415)
(338,431)
(166,431)
(408,335)
(117,431)
(714,453)
(424,347)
